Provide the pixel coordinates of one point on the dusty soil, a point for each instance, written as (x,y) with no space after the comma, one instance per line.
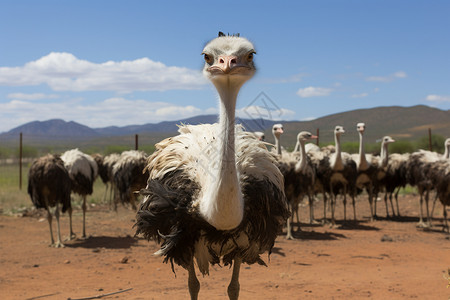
(384,259)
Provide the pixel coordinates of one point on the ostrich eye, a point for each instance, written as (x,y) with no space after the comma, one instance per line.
(208,59)
(250,56)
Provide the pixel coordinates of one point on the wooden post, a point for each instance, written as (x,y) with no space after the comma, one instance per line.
(430,146)
(136,142)
(317,133)
(20,162)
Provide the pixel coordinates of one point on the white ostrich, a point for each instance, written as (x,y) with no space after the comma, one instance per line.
(343,175)
(366,172)
(277,131)
(381,163)
(83,171)
(214,192)
(49,186)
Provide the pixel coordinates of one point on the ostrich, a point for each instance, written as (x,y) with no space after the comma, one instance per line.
(129,176)
(366,172)
(277,131)
(109,162)
(416,174)
(260,135)
(102,170)
(214,191)
(439,173)
(286,163)
(342,177)
(381,162)
(321,162)
(82,170)
(306,172)
(395,178)
(49,186)
(447,149)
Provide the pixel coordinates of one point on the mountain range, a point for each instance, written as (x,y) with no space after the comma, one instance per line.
(398,122)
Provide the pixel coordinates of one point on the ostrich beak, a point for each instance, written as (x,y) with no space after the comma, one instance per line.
(314,137)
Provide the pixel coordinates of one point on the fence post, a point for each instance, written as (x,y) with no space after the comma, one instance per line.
(20,162)
(430,146)
(136,142)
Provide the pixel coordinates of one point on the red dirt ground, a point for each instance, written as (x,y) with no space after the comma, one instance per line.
(384,259)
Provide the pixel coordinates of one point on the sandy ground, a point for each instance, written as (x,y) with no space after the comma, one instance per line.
(384,259)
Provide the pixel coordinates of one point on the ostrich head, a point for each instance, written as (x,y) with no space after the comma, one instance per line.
(259,135)
(304,136)
(387,140)
(228,61)
(277,130)
(360,127)
(338,130)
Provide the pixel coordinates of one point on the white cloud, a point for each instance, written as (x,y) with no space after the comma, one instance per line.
(438,98)
(34,96)
(112,111)
(362,95)
(313,92)
(388,78)
(64,72)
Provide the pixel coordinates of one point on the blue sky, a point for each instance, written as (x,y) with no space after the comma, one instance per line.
(103,63)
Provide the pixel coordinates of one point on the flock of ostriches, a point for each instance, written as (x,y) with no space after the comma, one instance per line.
(215,194)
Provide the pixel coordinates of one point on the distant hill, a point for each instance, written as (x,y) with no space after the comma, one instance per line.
(52,129)
(398,122)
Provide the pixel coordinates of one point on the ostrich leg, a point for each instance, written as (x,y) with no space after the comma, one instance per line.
(58,244)
(289,235)
(193,283)
(49,219)
(396,201)
(72,234)
(233,287)
(84,216)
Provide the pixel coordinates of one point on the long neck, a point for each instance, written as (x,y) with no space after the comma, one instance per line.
(362,154)
(277,144)
(384,154)
(297,146)
(447,152)
(301,164)
(338,158)
(222,205)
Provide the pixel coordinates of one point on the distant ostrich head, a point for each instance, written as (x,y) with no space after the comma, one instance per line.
(277,130)
(228,61)
(304,136)
(259,135)
(338,130)
(361,127)
(387,140)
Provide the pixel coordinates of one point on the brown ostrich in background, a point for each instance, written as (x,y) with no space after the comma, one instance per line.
(49,186)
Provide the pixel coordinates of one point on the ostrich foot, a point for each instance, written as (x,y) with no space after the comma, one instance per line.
(57,245)
(289,236)
(325,222)
(314,222)
(422,224)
